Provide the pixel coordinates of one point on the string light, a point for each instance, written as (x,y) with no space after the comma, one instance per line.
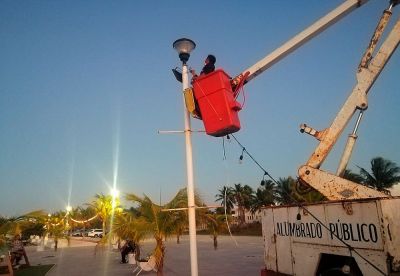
(263,182)
(241,156)
(84,221)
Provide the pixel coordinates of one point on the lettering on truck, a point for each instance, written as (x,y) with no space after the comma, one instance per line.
(356,232)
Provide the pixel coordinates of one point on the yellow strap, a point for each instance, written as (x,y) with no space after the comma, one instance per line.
(189,100)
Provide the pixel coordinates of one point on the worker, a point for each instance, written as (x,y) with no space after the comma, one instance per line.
(209,67)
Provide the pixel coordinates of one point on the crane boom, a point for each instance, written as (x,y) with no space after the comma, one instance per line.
(298,40)
(331,186)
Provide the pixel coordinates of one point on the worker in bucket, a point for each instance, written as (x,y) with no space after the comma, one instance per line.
(209,66)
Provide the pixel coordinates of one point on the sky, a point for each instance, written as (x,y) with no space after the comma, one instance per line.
(85,86)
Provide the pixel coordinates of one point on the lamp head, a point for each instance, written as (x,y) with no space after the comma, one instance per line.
(184,46)
(114,193)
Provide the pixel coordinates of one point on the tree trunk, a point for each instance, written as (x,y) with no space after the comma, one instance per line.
(104,227)
(241,215)
(215,242)
(159,254)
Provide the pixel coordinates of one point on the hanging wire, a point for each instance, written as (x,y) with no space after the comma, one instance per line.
(352,249)
(226,199)
(223,148)
(226,216)
(254,160)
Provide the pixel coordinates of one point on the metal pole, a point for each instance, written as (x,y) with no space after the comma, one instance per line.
(349,148)
(190,178)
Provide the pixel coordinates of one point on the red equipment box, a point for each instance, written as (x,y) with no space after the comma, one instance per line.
(218,107)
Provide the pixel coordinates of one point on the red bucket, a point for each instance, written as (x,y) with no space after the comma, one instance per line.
(218,107)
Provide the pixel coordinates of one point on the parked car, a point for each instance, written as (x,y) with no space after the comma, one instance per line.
(95,233)
(77,233)
(85,232)
(80,233)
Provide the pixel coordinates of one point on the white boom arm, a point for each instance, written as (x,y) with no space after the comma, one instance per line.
(298,40)
(332,186)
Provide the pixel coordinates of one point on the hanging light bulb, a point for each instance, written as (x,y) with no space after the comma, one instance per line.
(241,157)
(298,217)
(263,182)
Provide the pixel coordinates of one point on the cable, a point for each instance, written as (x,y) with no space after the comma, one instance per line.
(226,217)
(225,196)
(254,160)
(305,209)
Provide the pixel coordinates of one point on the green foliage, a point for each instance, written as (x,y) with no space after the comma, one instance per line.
(384,174)
(57,227)
(354,177)
(16,225)
(36,229)
(104,206)
(226,197)
(264,196)
(216,224)
(286,191)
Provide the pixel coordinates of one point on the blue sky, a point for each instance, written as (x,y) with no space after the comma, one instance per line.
(86,85)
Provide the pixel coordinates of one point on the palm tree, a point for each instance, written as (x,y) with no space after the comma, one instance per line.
(226,197)
(104,206)
(243,196)
(181,224)
(127,226)
(285,190)
(384,174)
(354,177)
(16,225)
(215,224)
(310,196)
(57,227)
(84,214)
(152,220)
(265,195)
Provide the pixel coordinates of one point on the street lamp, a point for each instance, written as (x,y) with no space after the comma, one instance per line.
(184,46)
(69,209)
(114,193)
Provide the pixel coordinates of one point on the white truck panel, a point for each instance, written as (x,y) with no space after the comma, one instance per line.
(391,225)
(294,246)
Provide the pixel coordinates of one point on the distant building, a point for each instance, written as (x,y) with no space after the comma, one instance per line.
(249,217)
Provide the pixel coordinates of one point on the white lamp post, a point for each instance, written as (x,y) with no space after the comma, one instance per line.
(114,194)
(184,46)
(69,209)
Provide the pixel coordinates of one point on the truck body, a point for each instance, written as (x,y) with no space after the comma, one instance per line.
(348,237)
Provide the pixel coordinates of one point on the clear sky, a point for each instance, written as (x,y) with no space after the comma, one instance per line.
(86,85)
